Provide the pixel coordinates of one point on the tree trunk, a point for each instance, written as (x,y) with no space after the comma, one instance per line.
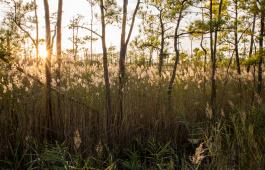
(76,42)
(123,51)
(205,57)
(213,60)
(252,39)
(122,61)
(236,39)
(213,44)
(161,54)
(261,51)
(173,75)
(151,57)
(59,53)
(91,33)
(106,74)
(204,63)
(73,38)
(37,30)
(49,116)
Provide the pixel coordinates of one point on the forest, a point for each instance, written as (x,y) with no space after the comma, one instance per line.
(132,84)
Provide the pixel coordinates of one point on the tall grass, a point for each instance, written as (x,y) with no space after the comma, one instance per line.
(150,137)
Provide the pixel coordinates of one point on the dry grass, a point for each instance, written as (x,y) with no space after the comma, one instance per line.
(240,128)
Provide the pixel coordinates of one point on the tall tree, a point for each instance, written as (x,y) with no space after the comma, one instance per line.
(178,8)
(163,17)
(106,72)
(49,114)
(59,51)
(261,4)
(236,37)
(123,50)
(37,28)
(91,27)
(214,28)
(75,25)
(252,40)
(20,18)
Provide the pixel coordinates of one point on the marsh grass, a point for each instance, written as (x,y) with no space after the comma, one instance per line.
(149,138)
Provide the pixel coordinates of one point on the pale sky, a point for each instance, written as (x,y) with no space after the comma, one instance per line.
(72,8)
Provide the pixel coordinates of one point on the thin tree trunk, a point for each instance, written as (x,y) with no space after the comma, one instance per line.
(122,61)
(106,75)
(205,57)
(49,115)
(214,52)
(150,57)
(37,30)
(261,51)
(236,39)
(123,51)
(191,47)
(73,38)
(173,75)
(204,63)
(213,85)
(161,54)
(8,41)
(59,53)
(91,33)
(252,39)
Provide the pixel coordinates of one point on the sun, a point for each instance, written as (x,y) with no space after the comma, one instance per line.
(42,51)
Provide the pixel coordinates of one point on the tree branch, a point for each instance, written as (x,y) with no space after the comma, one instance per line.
(94,32)
(133,20)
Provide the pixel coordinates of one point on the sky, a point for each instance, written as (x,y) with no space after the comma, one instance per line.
(72,8)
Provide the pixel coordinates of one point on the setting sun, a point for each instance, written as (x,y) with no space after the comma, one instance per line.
(42,51)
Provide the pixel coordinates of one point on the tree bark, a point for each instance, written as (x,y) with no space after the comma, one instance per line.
(173,75)
(205,57)
(59,52)
(213,60)
(162,46)
(123,51)
(236,39)
(49,115)
(261,51)
(106,75)
(213,46)
(37,30)
(150,57)
(252,39)
(91,33)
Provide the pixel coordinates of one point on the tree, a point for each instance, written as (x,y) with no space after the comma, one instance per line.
(49,114)
(106,71)
(123,50)
(148,37)
(75,25)
(163,17)
(177,8)
(261,4)
(236,37)
(20,18)
(252,38)
(59,51)
(37,28)
(214,27)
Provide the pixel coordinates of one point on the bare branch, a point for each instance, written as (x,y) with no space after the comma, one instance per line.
(94,32)
(133,20)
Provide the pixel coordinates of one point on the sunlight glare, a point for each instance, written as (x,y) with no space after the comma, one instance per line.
(42,51)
